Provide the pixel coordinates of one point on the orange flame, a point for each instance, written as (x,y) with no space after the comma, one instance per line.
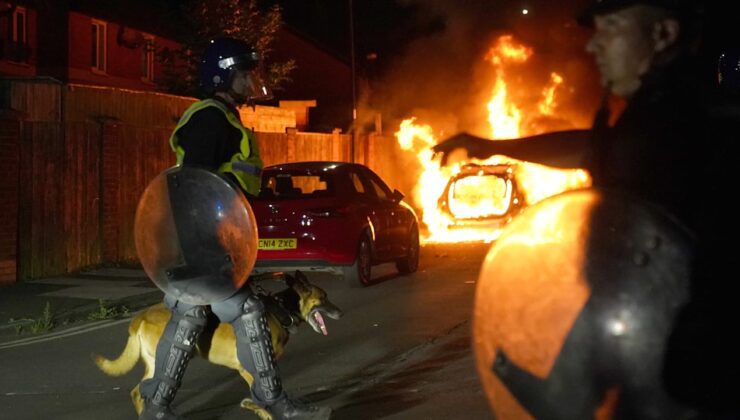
(506,51)
(547,106)
(503,115)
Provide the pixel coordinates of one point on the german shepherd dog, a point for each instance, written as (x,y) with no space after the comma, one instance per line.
(301,302)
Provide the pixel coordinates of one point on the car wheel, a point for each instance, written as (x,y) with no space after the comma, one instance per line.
(410,263)
(358,274)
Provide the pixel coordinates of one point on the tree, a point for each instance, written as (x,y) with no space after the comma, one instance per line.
(207,19)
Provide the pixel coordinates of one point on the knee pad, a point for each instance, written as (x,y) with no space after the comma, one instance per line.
(253,305)
(189,326)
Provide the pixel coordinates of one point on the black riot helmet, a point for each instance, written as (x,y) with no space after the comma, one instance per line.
(223,59)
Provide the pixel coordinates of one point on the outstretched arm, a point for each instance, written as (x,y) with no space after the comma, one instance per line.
(561,149)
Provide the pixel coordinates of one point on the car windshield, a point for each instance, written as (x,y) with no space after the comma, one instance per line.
(296,185)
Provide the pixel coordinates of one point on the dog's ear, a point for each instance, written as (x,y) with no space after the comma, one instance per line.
(301,278)
(289,280)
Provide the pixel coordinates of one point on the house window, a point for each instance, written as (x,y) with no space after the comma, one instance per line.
(97,61)
(147,59)
(17,49)
(19,25)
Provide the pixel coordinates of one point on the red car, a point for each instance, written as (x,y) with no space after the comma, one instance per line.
(333,216)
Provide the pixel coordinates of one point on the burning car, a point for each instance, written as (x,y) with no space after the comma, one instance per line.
(517,108)
(485,196)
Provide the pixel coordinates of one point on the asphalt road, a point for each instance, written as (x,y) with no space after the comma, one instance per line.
(402,351)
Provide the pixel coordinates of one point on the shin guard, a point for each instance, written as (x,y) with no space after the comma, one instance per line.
(255,353)
(174,351)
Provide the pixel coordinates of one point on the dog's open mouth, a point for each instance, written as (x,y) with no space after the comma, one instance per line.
(315,318)
(318,323)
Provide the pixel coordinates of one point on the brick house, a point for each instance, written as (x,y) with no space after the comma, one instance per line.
(112,44)
(75,47)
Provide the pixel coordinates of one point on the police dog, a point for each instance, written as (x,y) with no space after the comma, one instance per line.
(301,302)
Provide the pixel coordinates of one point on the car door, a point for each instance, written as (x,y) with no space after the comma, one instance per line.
(365,199)
(386,212)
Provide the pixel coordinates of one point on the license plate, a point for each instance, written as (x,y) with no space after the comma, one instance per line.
(278,243)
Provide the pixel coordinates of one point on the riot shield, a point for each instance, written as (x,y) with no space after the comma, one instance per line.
(574,305)
(195,235)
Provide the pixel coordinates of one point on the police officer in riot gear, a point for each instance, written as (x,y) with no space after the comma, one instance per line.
(665,148)
(210,135)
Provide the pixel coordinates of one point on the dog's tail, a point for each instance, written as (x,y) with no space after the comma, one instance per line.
(128,358)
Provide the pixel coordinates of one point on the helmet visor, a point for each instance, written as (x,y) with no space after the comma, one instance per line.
(256,88)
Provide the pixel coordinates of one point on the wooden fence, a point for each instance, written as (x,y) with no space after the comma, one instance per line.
(75,159)
(78,184)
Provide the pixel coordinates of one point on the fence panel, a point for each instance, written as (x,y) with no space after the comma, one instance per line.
(10,133)
(312,147)
(132,157)
(273,147)
(385,157)
(111,195)
(300,147)
(42,243)
(81,195)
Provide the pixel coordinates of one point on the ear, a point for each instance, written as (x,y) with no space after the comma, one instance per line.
(289,280)
(665,34)
(301,278)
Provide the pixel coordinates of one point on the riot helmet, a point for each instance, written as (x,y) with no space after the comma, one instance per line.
(226,59)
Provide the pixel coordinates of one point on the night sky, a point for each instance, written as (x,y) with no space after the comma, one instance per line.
(426,54)
(423,57)
(387,28)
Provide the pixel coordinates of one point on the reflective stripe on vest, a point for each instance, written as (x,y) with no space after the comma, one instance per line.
(246,165)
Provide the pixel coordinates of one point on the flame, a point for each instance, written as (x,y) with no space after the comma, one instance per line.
(507,51)
(480,197)
(433,180)
(503,115)
(547,106)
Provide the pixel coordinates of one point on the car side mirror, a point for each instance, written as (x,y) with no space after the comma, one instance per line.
(397,196)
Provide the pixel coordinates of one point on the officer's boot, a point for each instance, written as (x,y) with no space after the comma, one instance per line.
(175,348)
(255,353)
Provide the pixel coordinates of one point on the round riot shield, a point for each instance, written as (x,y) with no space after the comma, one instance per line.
(573,308)
(195,235)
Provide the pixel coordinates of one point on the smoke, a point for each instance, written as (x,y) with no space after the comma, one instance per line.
(443,79)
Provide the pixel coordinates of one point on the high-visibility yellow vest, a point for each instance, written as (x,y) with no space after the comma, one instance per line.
(246,165)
